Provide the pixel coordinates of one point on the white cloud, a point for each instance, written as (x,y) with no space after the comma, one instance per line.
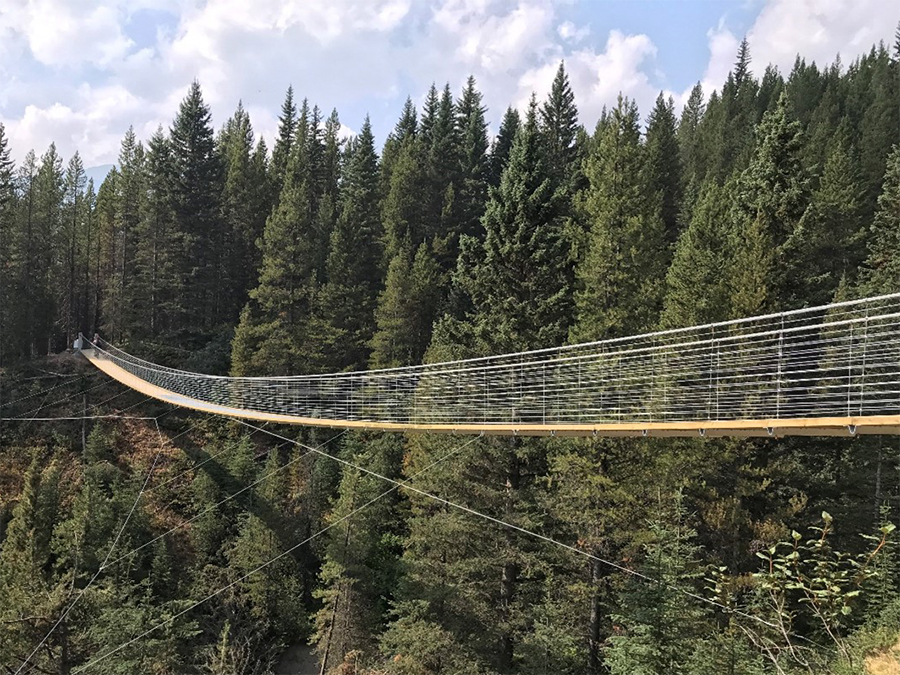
(66,32)
(818,30)
(72,73)
(598,77)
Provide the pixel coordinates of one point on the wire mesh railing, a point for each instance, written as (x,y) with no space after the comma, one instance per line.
(839,360)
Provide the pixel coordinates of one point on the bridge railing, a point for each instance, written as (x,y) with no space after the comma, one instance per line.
(837,360)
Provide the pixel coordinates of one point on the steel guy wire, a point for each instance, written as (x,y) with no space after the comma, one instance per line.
(288,551)
(281,467)
(112,547)
(498,521)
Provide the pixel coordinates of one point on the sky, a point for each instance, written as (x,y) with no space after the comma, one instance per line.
(80,72)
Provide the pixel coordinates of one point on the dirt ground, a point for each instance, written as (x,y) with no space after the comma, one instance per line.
(298,660)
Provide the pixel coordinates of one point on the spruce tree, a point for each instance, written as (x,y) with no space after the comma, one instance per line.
(287,128)
(688,138)
(347,301)
(45,215)
(158,285)
(659,625)
(559,126)
(273,326)
(696,291)
(8,272)
(830,239)
(621,276)
(360,569)
(771,199)
(195,201)
(502,145)
(472,133)
(240,212)
(662,164)
(72,243)
(523,260)
(882,266)
(122,299)
(406,309)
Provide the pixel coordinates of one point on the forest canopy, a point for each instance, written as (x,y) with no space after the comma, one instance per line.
(212,250)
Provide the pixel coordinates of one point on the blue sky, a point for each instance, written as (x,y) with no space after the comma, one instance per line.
(79,72)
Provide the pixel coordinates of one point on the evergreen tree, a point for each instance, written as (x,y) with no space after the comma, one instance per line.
(770,201)
(8,272)
(472,133)
(662,164)
(406,309)
(523,260)
(195,202)
(882,267)
(274,324)
(72,243)
(45,216)
(348,299)
(696,292)
(658,626)
(240,212)
(287,129)
(502,145)
(559,126)
(157,286)
(688,138)
(621,276)
(830,235)
(360,569)
(121,299)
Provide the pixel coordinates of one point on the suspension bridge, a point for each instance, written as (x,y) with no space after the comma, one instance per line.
(832,370)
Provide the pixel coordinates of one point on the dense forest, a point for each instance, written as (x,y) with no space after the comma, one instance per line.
(159,541)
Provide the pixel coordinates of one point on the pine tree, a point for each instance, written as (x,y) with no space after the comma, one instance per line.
(502,145)
(158,285)
(274,324)
(122,301)
(75,183)
(240,212)
(621,275)
(688,138)
(406,309)
(403,213)
(882,266)
(360,569)
(272,600)
(523,260)
(559,126)
(8,273)
(472,133)
(696,292)
(830,236)
(287,128)
(662,165)
(442,166)
(658,626)
(45,214)
(348,299)
(771,199)
(195,200)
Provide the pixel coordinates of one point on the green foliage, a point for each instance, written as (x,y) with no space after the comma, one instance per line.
(620,279)
(199,247)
